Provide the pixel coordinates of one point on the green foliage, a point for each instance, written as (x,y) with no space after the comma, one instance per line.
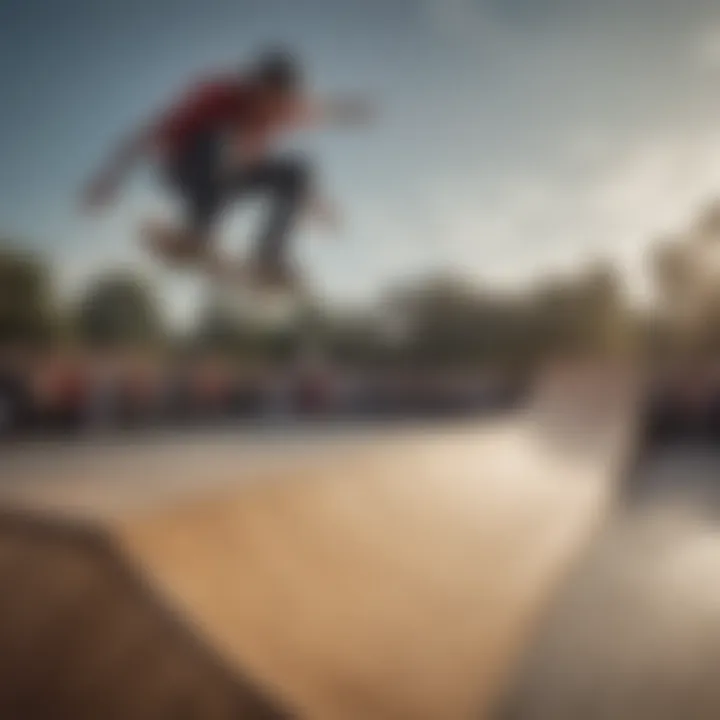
(451,323)
(26,303)
(118,310)
(686,274)
(436,321)
(221,331)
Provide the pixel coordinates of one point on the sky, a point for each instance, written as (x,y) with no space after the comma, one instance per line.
(513,137)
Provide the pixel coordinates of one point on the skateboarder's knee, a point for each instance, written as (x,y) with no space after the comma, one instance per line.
(296,175)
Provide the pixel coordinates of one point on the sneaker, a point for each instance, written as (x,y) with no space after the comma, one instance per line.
(175,245)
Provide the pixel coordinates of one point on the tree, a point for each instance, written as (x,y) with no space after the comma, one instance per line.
(447,322)
(706,229)
(26,302)
(117,310)
(686,274)
(586,313)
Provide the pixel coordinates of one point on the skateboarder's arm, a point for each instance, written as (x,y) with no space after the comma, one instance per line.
(333,111)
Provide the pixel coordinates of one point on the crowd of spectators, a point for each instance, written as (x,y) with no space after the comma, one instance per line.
(75,392)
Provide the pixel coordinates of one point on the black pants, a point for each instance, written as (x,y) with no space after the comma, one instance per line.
(206,189)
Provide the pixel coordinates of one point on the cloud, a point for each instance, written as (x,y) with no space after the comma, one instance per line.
(707,48)
(614,206)
(466,21)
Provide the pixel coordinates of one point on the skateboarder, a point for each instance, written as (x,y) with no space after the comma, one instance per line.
(215,146)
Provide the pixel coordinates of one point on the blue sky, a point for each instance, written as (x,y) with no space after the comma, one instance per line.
(515,136)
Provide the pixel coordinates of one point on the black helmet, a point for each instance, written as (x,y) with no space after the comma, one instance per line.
(278,69)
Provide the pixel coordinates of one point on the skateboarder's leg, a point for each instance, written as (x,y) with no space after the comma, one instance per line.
(287,181)
(196,177)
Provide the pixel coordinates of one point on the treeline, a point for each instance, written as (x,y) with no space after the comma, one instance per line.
(434,321)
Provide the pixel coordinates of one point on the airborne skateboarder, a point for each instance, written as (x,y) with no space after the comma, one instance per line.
(216,146)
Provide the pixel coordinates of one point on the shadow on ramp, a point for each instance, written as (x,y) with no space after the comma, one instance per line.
(81,636)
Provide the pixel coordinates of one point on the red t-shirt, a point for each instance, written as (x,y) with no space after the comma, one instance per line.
(222,104)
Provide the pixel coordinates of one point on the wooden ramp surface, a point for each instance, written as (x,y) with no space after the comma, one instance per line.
(398,583)
(393,578)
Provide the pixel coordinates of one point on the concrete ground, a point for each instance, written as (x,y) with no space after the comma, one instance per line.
(634,632)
